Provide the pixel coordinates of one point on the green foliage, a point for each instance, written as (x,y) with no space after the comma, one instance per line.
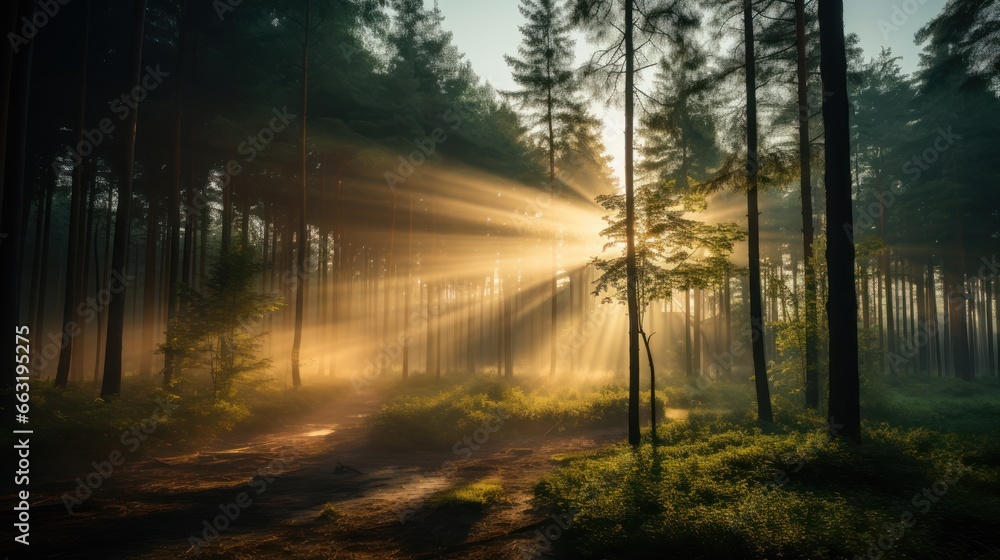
(212,334)
(478,494)
(443,418)
(329,512)
(79,420)
(721,487)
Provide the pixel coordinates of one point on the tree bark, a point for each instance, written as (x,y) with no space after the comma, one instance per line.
(805,190)
(631,272)
(112,383)
(842,305)
(301,239)
(764,413)
(149,295)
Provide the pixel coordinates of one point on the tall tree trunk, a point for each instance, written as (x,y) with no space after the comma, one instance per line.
(842,305)
(805,190)
(631,271)
(10,213)
(7,58)
(406,292)
(764,413)
(173,209)
(922,326)
(78,359)
(43,255)
(228,186)
(101,281)
(508,327)
(935,318)
(652,387)
(301,240)
(991,339)
(904,304)
(112,383)
(688,355)
(956,303)
(890,324)
(387,284)
(149,296)
(550,117)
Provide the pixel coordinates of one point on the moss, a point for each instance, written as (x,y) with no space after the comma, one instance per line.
(479,494)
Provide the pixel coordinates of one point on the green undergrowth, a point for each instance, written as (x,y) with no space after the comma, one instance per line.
(443,416)
(476,495)
(720,486)
(182,416)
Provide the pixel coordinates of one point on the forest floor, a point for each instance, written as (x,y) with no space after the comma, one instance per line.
(316,488)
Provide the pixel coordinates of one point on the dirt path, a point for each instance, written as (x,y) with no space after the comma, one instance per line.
(263,497)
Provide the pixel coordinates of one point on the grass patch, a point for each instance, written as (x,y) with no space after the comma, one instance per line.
(446,416)
(477,495)
(719,488)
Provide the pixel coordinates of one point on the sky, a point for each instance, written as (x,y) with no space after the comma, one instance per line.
(486,30)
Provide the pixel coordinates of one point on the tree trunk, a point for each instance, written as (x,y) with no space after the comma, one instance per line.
(73,258)
(805,190)
(764,413)
(955,302)
(173,215)
(508,328)
(387,284)
(228,185)
(10,213)
(842,305)
(630,262)
(112,383)
(652,387)
(991,340)
(149,296)
(406,292)
(301,240)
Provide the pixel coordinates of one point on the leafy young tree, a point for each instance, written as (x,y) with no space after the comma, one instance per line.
(673,250)
(665,20)
(213,333)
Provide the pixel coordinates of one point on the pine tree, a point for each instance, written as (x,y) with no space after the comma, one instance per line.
(548,93)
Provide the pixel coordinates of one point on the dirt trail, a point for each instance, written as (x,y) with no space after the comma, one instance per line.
(274,487)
